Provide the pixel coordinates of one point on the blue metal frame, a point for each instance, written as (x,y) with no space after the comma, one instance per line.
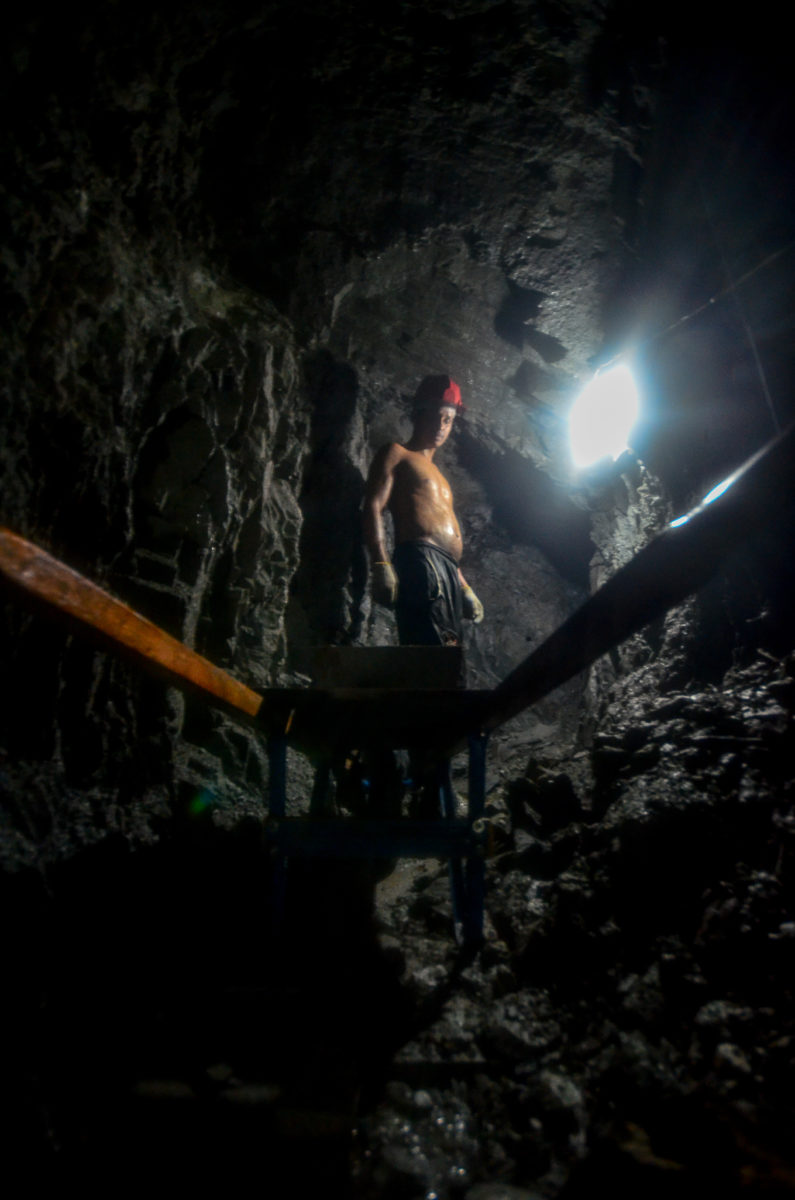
(475,884)
(277,807)
(462,840)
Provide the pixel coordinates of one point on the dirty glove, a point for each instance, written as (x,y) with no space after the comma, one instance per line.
(473,609)
(384,584)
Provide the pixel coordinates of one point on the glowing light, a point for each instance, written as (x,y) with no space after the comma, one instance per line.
(718,490)
(603,416)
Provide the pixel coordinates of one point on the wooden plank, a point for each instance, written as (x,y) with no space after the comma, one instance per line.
(337,720)
(323,721)
(408,668)
(671,567)
(350,837)
(43,578)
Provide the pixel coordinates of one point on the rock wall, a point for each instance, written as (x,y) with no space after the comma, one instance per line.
(202,452)
(154,436)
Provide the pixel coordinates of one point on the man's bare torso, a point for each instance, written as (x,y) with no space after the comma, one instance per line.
(421,503)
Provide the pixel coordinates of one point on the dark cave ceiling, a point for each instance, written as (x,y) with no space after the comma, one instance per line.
(567,179)
(550,138)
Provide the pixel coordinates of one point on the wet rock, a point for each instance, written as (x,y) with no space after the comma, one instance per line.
(417,1143)
(452,1037)
(501,1191)
(521,1026)
(730,1058)
(545,803)
(720,1017)
(643,996)
(433,905)
(518,904)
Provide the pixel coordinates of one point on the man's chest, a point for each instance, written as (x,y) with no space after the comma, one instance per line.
(424,479)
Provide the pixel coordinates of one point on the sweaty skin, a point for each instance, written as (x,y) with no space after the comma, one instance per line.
(407,481)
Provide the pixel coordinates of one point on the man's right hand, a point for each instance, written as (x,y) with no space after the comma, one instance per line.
(384,584)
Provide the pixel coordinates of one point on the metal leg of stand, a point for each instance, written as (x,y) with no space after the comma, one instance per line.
(475,870)
(319,803)
(446,793)
(277,805)
(457,882)
(467,877)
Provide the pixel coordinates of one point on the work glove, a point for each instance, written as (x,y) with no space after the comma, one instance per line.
(384,584)
(473,609)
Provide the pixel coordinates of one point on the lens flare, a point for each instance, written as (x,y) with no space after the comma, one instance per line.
(717,491)
(603,416)
(201,802)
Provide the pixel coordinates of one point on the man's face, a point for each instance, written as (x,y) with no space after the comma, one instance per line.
(434,424)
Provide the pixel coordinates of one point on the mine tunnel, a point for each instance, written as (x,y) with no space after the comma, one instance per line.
(236,240)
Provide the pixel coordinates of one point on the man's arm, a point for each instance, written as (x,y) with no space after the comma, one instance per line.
(376,498)
(473,608)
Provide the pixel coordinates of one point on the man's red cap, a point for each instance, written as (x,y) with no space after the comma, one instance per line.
(452,395)
(437,390)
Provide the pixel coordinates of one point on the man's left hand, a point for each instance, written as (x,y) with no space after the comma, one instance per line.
(473,609)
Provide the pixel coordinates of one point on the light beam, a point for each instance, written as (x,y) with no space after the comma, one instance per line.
(603,416)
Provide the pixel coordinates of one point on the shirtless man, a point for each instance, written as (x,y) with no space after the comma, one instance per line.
(422,581)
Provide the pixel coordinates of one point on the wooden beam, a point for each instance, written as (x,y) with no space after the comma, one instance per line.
(38,575)
(327,720)
(670,568)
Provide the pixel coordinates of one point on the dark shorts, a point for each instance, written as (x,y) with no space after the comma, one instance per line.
(429,606)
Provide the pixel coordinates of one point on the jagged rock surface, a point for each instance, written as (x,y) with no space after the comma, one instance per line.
(631,1013)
